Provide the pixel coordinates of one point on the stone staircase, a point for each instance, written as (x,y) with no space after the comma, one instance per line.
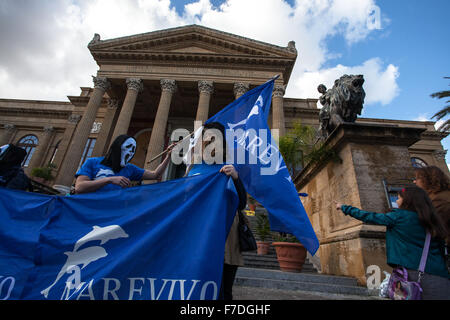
(269,261)
(263,271)
(288,281)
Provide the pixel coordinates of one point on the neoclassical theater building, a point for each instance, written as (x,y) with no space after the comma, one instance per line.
(150,84)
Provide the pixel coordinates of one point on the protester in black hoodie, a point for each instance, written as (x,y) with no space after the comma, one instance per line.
(114,170)
(12,175)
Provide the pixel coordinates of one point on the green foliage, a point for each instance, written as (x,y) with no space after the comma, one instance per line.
(262,227)
(286,237)
(44,172)
(301,146)
(445,127)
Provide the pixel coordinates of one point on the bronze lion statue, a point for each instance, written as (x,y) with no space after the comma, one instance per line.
(342,103)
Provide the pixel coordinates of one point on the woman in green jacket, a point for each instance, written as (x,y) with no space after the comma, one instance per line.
(405,238)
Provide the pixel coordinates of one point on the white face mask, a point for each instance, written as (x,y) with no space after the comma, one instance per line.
(128,149)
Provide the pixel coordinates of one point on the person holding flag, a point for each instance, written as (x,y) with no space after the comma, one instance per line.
(260,165)
(114,171)
(212,151)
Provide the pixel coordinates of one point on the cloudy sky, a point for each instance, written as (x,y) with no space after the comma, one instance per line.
(400,46)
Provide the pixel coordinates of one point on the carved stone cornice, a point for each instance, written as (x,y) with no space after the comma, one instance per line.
(195,46)
(101,83)
(291,47)
(240,88)
(112,103)
(205,86)
(135,84)
(49,129)
(9,127)
(279,90)
(74,118)
(439,154)
(95,39)
(168,85)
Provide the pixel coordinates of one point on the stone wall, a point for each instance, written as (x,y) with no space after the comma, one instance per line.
(369,154)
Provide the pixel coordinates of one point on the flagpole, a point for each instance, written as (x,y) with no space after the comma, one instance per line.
(165,151)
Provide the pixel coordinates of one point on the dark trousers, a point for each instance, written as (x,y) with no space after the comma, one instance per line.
(228,275)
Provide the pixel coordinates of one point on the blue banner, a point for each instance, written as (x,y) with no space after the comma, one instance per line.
(162,241)
(260,164)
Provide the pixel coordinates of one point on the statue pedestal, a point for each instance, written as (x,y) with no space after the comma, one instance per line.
(369,153)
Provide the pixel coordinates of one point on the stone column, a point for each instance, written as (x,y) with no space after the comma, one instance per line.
(240,88)
(7,134)
(156,143)
(105,132)
(41,149)
(123,122)
(72,122)
(205,88)
(439,156)
(76,147)
(277,109)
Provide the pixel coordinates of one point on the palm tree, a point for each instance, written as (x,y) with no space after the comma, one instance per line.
(445,111)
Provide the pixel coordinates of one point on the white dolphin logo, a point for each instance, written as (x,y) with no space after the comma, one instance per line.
(253,112)
(87,255)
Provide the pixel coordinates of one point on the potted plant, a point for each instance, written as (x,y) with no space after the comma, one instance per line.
(291,254)
(251,203)
(43,174)
(263,232)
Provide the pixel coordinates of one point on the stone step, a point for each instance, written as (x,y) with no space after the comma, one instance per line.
(269,261)
(275,279)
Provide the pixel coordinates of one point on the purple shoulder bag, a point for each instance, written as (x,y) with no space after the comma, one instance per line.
(399,288)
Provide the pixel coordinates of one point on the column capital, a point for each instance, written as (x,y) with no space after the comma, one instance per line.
(101,83)
(240,88)
(74,118)
(112,103)
(49,129)
(9,127)
(440,154)
(205,86)
(135,84)
(279,90)
(168,85)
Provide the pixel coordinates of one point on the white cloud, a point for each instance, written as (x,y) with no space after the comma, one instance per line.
(380,83)
(48,57)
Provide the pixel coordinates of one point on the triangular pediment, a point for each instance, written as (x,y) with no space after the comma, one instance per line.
(192,49)
(191,40)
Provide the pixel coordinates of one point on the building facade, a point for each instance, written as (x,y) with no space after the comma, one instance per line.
(150,84)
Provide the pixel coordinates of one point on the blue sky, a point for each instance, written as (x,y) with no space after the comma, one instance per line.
(403,61)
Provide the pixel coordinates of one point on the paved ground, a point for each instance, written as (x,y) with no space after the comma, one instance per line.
(252,293)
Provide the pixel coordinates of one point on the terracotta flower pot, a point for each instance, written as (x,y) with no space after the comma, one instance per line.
(39,179)
(263,247)
(291,256)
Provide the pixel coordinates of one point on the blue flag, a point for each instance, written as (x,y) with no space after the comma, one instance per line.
(162,241)
(261,167)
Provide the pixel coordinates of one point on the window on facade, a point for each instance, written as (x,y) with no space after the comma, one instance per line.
(87,152)
(418,163)
(29,143)
(55,150)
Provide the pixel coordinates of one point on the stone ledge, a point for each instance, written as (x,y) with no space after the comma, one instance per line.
(364,133)
(367,234)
